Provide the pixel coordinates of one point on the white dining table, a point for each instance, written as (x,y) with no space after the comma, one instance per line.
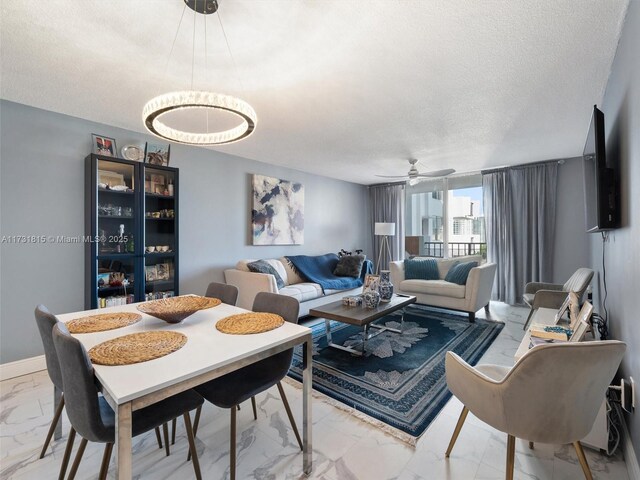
(208,354)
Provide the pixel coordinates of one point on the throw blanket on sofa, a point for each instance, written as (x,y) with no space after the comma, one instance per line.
(319,269)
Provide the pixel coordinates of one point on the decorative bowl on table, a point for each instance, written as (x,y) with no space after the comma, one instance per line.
(176,309)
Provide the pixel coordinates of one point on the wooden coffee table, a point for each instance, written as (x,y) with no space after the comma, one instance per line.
(362,317)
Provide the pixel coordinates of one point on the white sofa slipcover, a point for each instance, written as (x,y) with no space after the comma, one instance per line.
(438,293)
(309,294)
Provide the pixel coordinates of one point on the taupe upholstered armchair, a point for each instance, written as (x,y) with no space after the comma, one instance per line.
(552,395)
(551,295)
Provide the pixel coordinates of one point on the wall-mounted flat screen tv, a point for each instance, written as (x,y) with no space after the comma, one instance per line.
(600,189)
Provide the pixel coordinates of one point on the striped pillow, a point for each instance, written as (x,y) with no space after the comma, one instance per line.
(459,272)
(421,269)
(261,266)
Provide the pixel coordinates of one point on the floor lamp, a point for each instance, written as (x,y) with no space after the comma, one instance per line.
(385,230)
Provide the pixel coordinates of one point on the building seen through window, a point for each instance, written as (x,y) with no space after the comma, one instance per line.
(445,218)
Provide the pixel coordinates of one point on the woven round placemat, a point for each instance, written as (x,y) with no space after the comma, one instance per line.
(102,322)
(137,347)
(247,323)
(176,309)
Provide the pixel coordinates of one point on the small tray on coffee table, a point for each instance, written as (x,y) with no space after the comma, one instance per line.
(361,317)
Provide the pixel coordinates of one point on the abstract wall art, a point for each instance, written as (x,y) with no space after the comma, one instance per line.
(277,216)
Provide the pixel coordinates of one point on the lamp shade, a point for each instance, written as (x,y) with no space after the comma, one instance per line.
(388,229)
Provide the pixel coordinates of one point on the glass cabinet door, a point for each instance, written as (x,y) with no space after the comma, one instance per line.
(116,208)
(116,229)
(160,232)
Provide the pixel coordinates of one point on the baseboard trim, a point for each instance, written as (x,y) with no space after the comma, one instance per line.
(630,455)
(22,367)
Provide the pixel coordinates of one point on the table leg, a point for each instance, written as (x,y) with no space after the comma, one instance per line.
(384,328)
(123,441)
(352,350)
(307,446)
(57,395)
(327,328)
(365,337)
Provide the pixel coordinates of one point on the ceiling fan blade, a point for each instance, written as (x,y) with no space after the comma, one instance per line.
(392,176)
(438,173)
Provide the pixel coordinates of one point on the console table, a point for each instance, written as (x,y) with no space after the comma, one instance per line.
(598,437)
(542,316)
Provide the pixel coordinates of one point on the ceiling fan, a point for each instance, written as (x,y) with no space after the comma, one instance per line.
(414,174)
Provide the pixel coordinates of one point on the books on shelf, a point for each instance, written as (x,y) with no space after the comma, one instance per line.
(550,332)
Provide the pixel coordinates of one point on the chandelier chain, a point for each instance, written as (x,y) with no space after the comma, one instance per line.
(193,45)
(233,59)
(175,38)
(206,61)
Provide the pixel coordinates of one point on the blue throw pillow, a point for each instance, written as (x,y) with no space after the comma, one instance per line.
(260,266)
(459,272)
(421,269)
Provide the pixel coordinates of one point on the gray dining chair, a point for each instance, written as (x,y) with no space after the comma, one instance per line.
(227,294)
(551,395)
(92,417)
(234,388)
(46,321)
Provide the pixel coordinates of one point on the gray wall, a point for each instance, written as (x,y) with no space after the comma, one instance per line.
(621,107)
(571,245)
(42,193)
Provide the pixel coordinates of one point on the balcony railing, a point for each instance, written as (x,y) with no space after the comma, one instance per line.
(456,249)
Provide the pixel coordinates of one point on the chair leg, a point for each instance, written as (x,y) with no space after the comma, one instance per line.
(486,308)
(192,445)
(67,454)
(530,445)
(289,414)
(158,437)
(106,458)
(197,420)
(195,427)
(472,317)
(174,425)
(76,461)
(511,453)
(456,431)
(165,431)
(232,445)
(255,409)
(583,460)
(54,423)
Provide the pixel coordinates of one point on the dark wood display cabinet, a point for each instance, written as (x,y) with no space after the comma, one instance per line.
(131,228)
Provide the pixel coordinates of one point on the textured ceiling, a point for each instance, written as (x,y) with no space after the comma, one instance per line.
(346,88)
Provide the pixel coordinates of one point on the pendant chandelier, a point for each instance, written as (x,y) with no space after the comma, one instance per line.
(157,107)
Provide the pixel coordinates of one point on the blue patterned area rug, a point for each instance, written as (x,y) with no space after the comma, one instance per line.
(401,379)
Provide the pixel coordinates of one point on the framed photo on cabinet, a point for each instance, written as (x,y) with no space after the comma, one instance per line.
(104,146)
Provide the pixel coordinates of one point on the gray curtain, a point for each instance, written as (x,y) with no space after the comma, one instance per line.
(387,205)
(520,216)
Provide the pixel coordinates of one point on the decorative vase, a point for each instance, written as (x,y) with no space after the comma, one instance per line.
(371,299)
(385,287)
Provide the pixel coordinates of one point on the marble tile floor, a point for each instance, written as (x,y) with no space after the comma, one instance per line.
(344,448)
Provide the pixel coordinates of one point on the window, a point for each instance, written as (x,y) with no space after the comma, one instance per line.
(444,218)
